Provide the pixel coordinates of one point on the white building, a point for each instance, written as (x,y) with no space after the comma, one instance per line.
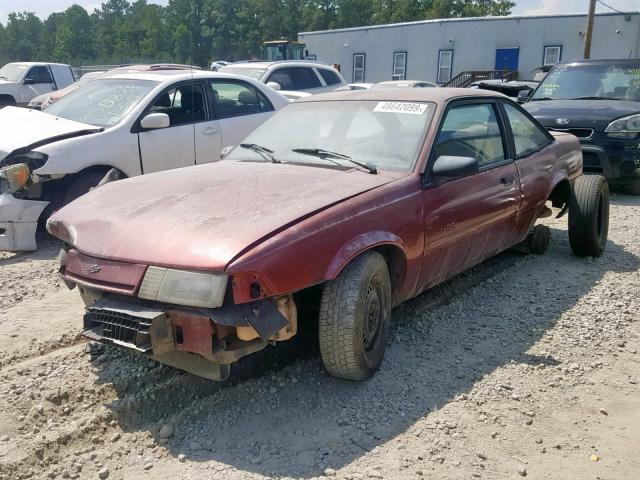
(437,50)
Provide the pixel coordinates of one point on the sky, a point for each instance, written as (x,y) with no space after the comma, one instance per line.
(43,8)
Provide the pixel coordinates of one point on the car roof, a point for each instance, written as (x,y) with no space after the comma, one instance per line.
(269,63)
(30,64)
(435,95)
(163,75)
(602,61)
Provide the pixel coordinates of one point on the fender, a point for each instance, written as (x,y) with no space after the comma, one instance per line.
(360,244)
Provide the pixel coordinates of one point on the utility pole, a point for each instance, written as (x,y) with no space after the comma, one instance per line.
(589,33)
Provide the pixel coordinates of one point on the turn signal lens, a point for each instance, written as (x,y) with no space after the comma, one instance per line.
(13,177)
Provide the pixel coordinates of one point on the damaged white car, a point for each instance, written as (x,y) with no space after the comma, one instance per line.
(128,124)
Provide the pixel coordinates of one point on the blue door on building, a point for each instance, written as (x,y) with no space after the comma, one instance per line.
(507,58)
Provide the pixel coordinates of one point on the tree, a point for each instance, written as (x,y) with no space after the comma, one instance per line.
(23,36)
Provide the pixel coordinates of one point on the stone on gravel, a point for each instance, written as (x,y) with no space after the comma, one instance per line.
(103,473)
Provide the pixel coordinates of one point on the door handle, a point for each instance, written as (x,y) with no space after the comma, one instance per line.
(210,131)
(508,180)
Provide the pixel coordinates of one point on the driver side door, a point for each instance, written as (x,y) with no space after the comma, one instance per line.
(173,147)
(37,81)
(471,218)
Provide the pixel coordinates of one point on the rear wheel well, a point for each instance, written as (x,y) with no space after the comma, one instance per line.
(6,100)
(561,195)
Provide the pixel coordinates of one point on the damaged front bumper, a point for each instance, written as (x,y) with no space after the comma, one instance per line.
(18,223)
(202,342)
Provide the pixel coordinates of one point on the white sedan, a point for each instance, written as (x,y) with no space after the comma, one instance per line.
(135,123)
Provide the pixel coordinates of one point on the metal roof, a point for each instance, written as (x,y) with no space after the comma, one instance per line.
(468,19)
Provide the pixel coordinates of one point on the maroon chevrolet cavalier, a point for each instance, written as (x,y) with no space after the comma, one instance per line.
(344,204)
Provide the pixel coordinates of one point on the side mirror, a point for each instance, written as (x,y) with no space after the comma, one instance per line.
(154,121)
(274,85)
(226,151)
(448,166)
(29,81)
(523,95)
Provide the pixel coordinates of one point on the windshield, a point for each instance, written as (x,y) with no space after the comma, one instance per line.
(12,72)
(102,103)
(251,72)
(566,82)
(381,135)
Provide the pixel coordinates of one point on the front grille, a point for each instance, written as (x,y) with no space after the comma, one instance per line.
(118,327)
(584,133)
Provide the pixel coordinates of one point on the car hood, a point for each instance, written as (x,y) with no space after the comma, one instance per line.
(202,217)
(581,113)
(24,129)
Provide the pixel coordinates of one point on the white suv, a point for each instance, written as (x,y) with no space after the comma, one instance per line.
(291,75)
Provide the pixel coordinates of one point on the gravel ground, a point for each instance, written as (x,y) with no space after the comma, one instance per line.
(524,366)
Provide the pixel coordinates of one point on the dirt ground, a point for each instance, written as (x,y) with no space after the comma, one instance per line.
(524,366)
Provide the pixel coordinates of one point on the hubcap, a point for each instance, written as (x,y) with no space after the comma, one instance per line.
(373,313)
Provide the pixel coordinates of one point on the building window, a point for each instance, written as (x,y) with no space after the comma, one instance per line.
(445,61)
(399,66)
(311,58)
(359,63)
(552,55)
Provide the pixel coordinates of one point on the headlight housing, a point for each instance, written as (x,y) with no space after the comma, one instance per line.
(13,177)
(182,287)
(625,127)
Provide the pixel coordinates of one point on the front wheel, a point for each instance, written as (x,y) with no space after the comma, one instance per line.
(354,318)
(589,216)
(634,187)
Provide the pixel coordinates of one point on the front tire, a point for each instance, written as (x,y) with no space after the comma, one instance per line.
(633,188)
(355,313)
(82,185)
(589,216)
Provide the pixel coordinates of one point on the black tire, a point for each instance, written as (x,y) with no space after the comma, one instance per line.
(589,216)
(81,185)
(354,320)
(538,240)
(633,188)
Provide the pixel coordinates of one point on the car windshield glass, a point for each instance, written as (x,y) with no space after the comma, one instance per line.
(591,82)
(380,135)
(255,73)
(102,103)
(12,72)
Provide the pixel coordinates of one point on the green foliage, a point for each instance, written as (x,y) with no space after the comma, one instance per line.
(197,31)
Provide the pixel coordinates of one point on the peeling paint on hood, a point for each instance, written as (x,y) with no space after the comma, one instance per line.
(24,129)
(202,217)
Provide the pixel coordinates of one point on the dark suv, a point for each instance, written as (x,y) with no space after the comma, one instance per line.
(599,102)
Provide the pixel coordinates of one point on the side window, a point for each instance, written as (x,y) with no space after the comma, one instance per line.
(39,75)
(471,131)
(527,136)
(295,78)
(184,104)
(329,76)
(234,99)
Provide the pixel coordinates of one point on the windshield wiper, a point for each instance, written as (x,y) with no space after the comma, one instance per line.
(328,155)
(3,78)
(594,98)
(265,152)
(540,99)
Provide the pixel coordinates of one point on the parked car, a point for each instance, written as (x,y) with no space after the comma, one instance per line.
(136,123)
(511,88)
(377,196)
(21,82)
(403,84)
(599,102)
(215,66)
(46,101)
(306,76)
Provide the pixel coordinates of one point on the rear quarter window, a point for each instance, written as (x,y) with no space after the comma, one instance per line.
(329,76)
